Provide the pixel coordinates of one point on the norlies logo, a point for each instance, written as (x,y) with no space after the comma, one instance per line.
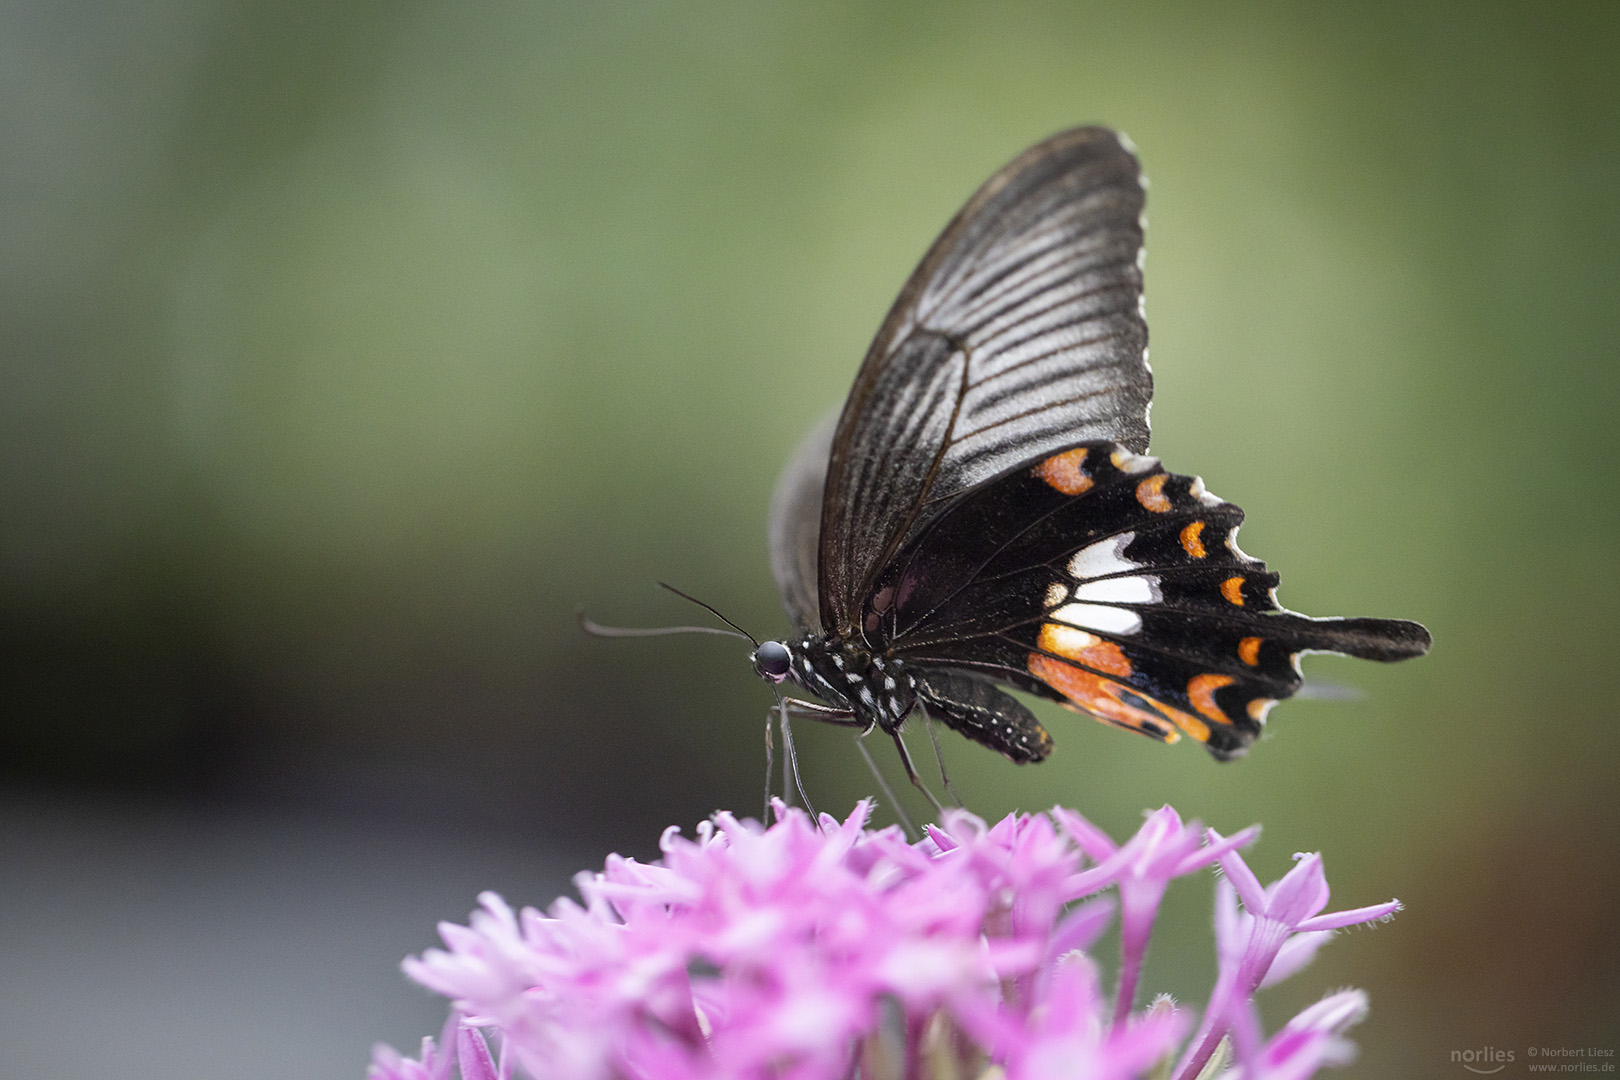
(1484,1061)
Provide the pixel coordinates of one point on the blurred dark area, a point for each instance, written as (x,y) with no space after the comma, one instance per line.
(346,351)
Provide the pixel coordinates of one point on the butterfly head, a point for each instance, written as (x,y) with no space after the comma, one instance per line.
(773,661)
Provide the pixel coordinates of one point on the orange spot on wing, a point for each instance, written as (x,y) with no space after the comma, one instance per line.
(1259,707)
(1084,648)
(1201,692)
(1103,700)
(1150,493)
(1095,695)
(1249,651)
(1194,727)
(1232,589)
(1066,472)
(1192,539)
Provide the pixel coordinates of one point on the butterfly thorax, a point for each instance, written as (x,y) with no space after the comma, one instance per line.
(876,689)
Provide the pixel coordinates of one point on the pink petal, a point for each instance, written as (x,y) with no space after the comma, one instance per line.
(1086,836)
(1297,952)
(1211,852)
(1242,878)
(1336,1013)
(472,1054)
(1334,920)
(1081,927)
(1301,893)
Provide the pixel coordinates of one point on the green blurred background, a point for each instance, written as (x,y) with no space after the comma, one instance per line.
(345,349)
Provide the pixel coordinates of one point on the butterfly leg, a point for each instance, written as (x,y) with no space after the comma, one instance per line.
(883,786)
(770,766)
(939,756)
(911,772)
(809,710)
(800,709)
(806,710)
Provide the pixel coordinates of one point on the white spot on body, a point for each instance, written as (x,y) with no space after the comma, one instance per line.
(1108,620)
(1120,590)
(1101,559)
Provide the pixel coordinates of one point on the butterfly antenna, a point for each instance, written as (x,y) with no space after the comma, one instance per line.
(710,609)
(883,786)
(596,629)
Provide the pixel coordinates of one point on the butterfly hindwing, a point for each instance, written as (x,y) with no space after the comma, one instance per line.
(1099,579)
(796,526)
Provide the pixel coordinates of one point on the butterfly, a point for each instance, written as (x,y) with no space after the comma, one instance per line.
(982,514)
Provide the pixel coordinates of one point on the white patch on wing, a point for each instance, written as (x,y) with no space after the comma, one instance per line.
(1120,590)
(1056,593)
(1203,494)
(1100,617)
(1066,640)
(1231,545)
(1103,558)
(1127,462)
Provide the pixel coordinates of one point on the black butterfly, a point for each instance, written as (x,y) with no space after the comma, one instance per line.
(981,512)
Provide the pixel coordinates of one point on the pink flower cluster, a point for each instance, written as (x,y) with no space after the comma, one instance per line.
(799,952)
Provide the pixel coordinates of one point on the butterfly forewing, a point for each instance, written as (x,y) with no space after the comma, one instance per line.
(1020,333)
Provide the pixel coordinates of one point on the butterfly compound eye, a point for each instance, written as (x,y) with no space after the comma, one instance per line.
(772,661)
